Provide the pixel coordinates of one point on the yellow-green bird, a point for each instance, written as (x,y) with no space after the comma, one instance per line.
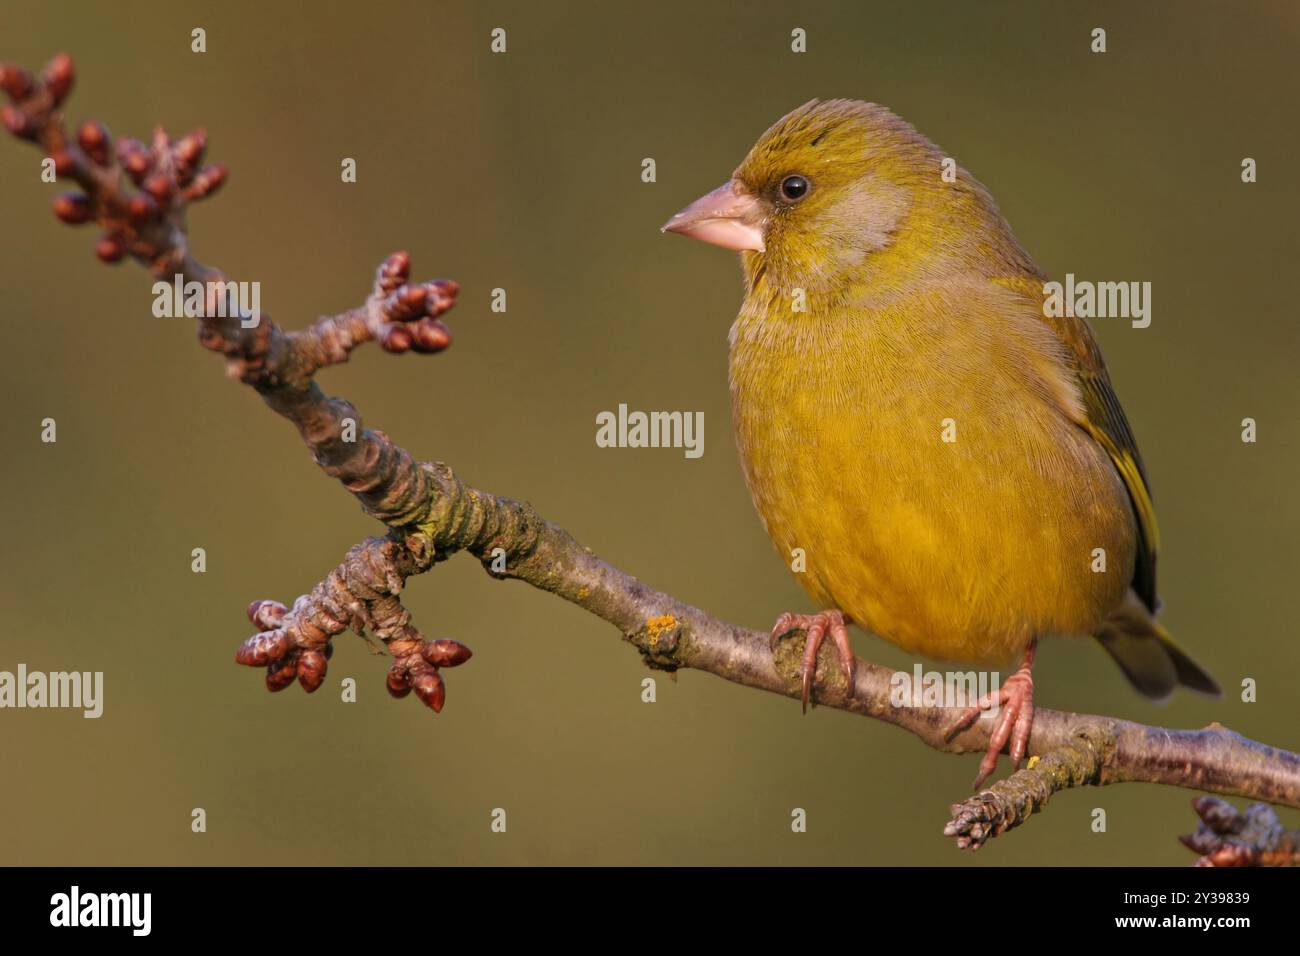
(951,460)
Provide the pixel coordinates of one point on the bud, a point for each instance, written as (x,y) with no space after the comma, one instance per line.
(430,689)
(159,187)
(393,272)
(16,122)
(94,139)
(442,296)
(64,163)
(266,614)
(141,208)
(445,653)
(189,149)
(110,249)
(398,685)
(405,303)
(263,648)
(311,670)
(395,338)
(73,208)
(209,180)
(15,81)
(281,674)
(429,335)
(135,158)
(58,76)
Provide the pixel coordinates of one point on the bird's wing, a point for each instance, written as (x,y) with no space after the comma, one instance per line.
(1104,419)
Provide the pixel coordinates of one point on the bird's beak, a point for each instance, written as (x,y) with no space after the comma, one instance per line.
(730,216)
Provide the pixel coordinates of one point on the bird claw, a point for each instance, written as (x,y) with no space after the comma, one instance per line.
(817,627)
(1015,719)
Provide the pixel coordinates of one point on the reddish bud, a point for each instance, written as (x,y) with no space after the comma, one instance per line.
(395,338)
(393,272)
(64,163)
(135,158)
(281,674)
(406,303)
(73,208)
(15,81)
(110,249)
(58,76)
(209,180)
(398,685)
(311,670)
(189,149)
(442,296)
(159,187)
(262,649)
(430,689)
(429,335)
(16,122)
(94,139)
(445,653)
(266,614)
(141,208)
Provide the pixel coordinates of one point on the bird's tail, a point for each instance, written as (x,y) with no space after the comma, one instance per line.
(1147,654)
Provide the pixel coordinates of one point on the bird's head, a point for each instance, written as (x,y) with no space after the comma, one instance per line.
(828,186)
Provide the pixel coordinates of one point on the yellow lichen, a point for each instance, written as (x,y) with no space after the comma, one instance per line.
(657,627)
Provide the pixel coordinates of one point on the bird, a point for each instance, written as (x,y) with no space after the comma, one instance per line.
(945,451)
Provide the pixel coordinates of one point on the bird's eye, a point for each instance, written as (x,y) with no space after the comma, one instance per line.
(794,187)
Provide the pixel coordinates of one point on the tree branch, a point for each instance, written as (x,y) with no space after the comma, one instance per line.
(430,514)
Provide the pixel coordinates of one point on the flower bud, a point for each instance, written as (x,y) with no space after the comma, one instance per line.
(58,76)
(141,208)
(64,163)
(266,614)
(395,338)
(280,674)
(209,180)
(73,208)
(311,670)
(263,648)
(398,685)
(430,689)
(16,122)
(94,139)
(429,336)
(15,81)
(110,249)
(445,653)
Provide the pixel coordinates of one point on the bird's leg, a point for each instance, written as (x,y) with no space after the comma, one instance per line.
(817,625)
(1014,721)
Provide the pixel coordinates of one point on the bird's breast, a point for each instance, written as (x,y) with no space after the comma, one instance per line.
(918,463)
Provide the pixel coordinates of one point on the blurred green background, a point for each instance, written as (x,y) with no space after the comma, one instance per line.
(522,171)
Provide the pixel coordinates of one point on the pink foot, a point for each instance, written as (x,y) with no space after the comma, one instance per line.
(817,626)
(1014,721)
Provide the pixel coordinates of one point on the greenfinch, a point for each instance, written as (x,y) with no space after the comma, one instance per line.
(946,454)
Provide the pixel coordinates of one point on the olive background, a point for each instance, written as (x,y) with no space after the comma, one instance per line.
(522,171)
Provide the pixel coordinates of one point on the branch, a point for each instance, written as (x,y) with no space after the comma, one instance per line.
(1229,838)
(430,514)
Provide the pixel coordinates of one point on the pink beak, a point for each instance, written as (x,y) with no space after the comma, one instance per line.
(730,216)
